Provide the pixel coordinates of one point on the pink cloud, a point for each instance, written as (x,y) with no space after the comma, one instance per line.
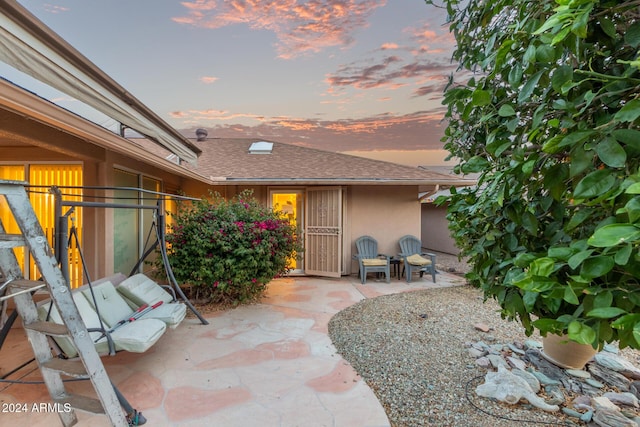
(300,27)
(419,130)
(208,79)
(388,46)
(54,8)
(391,72)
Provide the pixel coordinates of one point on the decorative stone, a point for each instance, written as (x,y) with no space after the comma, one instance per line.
(516,363)
(627,398)
(483,362)
(594,383)
(601,403)
(578,373)
(544,380)
(618,364)
(509,388)
(556,397)
(497,361)
(582,402)
(612,418)
(482,327)
(532,344)
(587,416)
(609,377)
(635,388)
(571,413)
(474,352)
(529,378)
(516,349)
(481,345)
(610,348)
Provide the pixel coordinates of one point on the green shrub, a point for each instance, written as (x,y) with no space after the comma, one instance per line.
(228,250)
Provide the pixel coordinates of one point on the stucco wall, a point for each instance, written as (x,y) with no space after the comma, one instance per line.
(385,213)
(435,232)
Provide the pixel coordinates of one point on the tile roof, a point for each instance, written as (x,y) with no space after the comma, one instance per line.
(227,160)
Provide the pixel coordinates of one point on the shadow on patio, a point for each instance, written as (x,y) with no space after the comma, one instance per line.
(266,364)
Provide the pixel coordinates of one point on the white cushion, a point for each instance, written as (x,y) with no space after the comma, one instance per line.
(140,290)
(138,336)
(89,317)
(112,308)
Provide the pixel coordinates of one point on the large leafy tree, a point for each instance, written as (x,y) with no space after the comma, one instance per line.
(548,114)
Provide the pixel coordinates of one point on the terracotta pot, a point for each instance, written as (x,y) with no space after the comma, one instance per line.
(559,350)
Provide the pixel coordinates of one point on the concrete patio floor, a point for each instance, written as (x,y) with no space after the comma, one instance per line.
(266,364)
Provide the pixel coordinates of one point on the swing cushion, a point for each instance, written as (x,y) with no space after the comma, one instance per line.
(89,317)
(112,308)
(136,337)
(140,290)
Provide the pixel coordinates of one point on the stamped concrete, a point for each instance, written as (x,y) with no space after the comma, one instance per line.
(266,364)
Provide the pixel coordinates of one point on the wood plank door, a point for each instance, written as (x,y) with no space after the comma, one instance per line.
(323,231)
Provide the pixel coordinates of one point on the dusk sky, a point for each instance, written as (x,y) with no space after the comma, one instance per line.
(341,75)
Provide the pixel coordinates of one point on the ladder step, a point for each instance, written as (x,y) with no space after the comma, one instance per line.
(71,368)
(49,328)
(24,284)
(83,403)
(12,241)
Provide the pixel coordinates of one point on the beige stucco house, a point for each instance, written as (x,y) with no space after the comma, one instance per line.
(333,198)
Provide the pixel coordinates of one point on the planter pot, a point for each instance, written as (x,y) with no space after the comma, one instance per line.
(558,350)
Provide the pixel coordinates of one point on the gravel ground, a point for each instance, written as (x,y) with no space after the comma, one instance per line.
(411,350)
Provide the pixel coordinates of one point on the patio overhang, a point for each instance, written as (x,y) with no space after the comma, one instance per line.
(17,102)
(28,45)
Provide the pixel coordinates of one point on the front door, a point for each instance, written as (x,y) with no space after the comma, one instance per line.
(290,204)
(323,232)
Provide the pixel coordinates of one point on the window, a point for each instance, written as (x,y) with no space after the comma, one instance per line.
(133,232)
(40,177)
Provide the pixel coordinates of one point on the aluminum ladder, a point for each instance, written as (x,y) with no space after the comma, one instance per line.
(13,285)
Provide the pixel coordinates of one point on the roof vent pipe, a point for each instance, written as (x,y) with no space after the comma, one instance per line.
(201,134)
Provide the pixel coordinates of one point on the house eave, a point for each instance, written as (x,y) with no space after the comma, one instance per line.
(338,181)
(22,102)
(56,63)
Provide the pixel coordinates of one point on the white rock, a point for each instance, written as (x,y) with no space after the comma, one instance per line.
(628,399)
(506,387)
(618,364)
(601,403)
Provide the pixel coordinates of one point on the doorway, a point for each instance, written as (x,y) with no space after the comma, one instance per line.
(290,204)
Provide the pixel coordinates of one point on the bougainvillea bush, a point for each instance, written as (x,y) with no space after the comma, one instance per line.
(228,250)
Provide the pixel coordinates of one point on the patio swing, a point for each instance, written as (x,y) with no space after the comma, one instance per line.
(133,312)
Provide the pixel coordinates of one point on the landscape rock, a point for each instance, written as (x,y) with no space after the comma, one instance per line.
(627,399)
(634,388)
(602,403)
(555,395)
(609,377)
(497,361)
(483,362)
(483,327)
(509,388)
(531,379)
(517,363)
(618,364)
(612,418)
